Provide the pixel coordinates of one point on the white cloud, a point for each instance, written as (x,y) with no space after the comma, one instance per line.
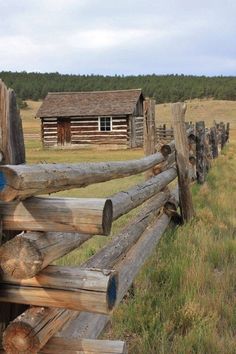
(136,36)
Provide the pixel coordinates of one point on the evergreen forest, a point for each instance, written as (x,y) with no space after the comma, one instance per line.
(164,88)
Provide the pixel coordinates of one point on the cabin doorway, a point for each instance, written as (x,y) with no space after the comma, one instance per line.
(63,131)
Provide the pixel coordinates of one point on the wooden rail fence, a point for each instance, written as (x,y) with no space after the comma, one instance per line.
(70,306)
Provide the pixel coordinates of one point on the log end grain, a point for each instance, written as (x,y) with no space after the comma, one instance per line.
(166,150)
(107,217)
(20,259)
(19,339)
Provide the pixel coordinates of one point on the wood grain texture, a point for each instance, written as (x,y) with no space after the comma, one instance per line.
(68,287)
(149,130)
(182,160)
(85,215)
(201,152)
(85,346)
(109,255)
(92,325)
(20,182)
(125,201)
(28,253)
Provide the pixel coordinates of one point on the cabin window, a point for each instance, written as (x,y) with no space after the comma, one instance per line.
(105,124)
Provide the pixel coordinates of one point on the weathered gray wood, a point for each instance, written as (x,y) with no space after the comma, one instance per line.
(11,134)
(85,215)
(149,127)
(125,201)
(67,287)
(31,330)
(214,143)
(165,165)
(29,335)
(12,151)
(223,134)
(227,131)
(87,346)
(28,253)
(109,255)
(149,130)
(182,160)
(200,152)
(92,325)
(169,148)
(20,182)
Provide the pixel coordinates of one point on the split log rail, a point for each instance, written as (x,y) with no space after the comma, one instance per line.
(70,306)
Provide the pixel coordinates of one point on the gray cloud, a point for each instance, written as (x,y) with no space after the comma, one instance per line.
(125,37)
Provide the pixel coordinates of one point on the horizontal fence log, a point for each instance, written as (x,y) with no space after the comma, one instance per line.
(92,216)
(32,329)
(39,249)
(125,201)
(67,287)
(169,148)
(31,335)
(20,182)
(86,346)
(28,253)
(88,325)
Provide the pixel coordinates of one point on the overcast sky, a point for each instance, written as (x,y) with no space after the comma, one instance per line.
(119,37)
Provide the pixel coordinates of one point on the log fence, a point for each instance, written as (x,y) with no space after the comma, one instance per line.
(70,306)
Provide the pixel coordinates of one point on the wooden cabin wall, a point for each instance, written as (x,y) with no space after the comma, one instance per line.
(139,131)
(138,112)
(84,132)
(49,131)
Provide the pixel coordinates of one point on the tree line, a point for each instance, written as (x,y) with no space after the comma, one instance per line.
(164,88)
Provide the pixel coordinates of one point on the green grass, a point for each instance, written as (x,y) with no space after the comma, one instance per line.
(185,299)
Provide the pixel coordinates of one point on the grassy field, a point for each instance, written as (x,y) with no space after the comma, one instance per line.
(185,297)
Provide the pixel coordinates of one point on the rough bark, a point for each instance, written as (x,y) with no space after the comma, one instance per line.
(200,152)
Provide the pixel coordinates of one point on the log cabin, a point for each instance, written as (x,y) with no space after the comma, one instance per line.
(111,119)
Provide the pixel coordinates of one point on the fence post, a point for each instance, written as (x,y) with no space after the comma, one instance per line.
(182,161)
(149,130)
(12,151)
(200,152)
(227,131)
(223,134)
(214,144)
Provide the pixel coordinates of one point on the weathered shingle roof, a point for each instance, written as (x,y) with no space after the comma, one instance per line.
(72,104)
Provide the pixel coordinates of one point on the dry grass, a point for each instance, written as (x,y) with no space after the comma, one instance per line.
(185,299)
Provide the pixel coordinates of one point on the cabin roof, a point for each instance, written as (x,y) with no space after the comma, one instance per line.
(95,103)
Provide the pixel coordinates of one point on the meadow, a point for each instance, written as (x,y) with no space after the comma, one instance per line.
(185,295)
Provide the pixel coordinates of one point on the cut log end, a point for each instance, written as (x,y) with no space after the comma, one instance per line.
(20,259)
(112,290)
(20,339)
(107,217)
(166,150)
